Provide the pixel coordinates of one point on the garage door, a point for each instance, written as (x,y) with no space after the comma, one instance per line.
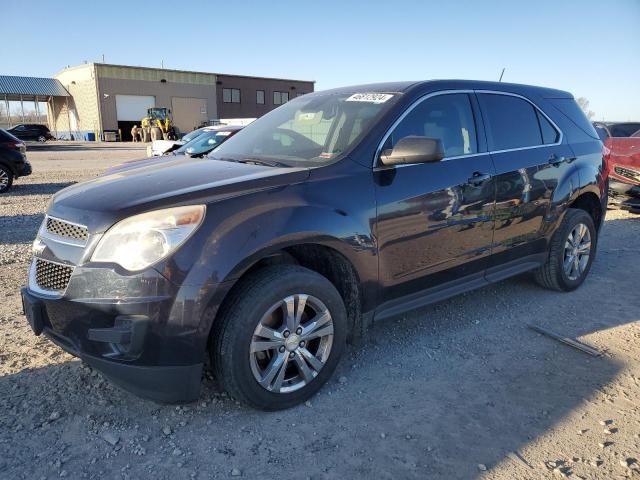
(133,108)
(188,113)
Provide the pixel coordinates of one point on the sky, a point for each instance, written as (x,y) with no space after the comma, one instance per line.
(590,48)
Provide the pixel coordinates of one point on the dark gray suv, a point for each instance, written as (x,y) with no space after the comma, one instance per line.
(337,209)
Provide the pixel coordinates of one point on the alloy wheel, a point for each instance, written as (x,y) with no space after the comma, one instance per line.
(4,179)
(291,343)
(577,250)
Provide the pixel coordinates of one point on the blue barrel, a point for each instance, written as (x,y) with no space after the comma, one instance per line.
(90,137)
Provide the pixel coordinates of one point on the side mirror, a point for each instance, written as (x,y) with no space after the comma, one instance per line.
(413,149)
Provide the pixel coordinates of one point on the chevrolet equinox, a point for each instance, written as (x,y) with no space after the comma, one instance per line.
(337,209)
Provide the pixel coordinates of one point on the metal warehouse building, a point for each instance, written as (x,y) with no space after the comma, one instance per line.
(112,98)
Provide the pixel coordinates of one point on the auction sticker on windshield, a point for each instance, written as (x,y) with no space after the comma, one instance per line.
(370,97)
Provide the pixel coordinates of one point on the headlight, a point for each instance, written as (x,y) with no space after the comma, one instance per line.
(142,240)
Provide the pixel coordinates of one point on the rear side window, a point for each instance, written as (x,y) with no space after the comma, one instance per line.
(570,109)
(446,117)
(511,122)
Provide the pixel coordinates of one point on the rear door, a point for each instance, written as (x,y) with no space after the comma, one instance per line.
(434,220)
(530,157)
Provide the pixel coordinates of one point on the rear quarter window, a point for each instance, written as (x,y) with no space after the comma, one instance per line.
(570,109)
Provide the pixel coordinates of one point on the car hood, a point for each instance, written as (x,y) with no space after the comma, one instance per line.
(101,202)
(143,162)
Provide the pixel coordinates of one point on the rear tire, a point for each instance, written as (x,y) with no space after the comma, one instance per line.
(572,251)
(262,360)
(6,179)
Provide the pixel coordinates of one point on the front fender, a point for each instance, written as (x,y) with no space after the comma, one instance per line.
(240,231)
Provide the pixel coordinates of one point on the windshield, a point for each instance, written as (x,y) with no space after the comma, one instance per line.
(191,135)
(308,131)
(203,143)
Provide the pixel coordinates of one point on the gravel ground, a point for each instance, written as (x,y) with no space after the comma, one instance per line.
(461,389)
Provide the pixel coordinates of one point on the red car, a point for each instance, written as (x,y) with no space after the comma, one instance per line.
(622,143)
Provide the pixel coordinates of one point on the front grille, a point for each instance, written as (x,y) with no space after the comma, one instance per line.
(52,276)
(628,173)
(66,229)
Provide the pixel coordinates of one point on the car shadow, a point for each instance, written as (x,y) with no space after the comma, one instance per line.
(20,189)
(481,390)
(431,394)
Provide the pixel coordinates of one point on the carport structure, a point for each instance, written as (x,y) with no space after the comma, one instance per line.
(31,89)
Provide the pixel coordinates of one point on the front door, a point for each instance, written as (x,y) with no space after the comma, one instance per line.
(435,220)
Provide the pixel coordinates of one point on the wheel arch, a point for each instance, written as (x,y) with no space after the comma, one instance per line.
(8,165)
(590,203)
(319,257)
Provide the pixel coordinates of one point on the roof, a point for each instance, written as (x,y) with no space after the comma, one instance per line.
(433,85)
(31,87)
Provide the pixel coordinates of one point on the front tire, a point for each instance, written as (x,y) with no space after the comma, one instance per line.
(573,248)
(6,179)
(279,337)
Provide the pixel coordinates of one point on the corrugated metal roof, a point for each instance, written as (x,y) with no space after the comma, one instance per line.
(31,86)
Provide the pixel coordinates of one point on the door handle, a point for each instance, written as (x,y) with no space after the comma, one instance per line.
(556,160)
(478,178)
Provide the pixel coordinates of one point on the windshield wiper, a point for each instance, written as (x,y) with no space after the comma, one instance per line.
(254,161)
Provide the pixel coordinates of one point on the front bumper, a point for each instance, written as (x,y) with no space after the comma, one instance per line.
(24,170)
(625,196)
(131,328)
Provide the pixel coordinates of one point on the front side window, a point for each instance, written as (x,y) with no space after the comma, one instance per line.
(511,122)
(313,130)
(446,117)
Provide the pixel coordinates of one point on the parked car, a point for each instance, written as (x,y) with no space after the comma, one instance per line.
(31,131)
(337,209)
(622,141)
(207,141)
(13,160)
(198,147)
(162,147)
